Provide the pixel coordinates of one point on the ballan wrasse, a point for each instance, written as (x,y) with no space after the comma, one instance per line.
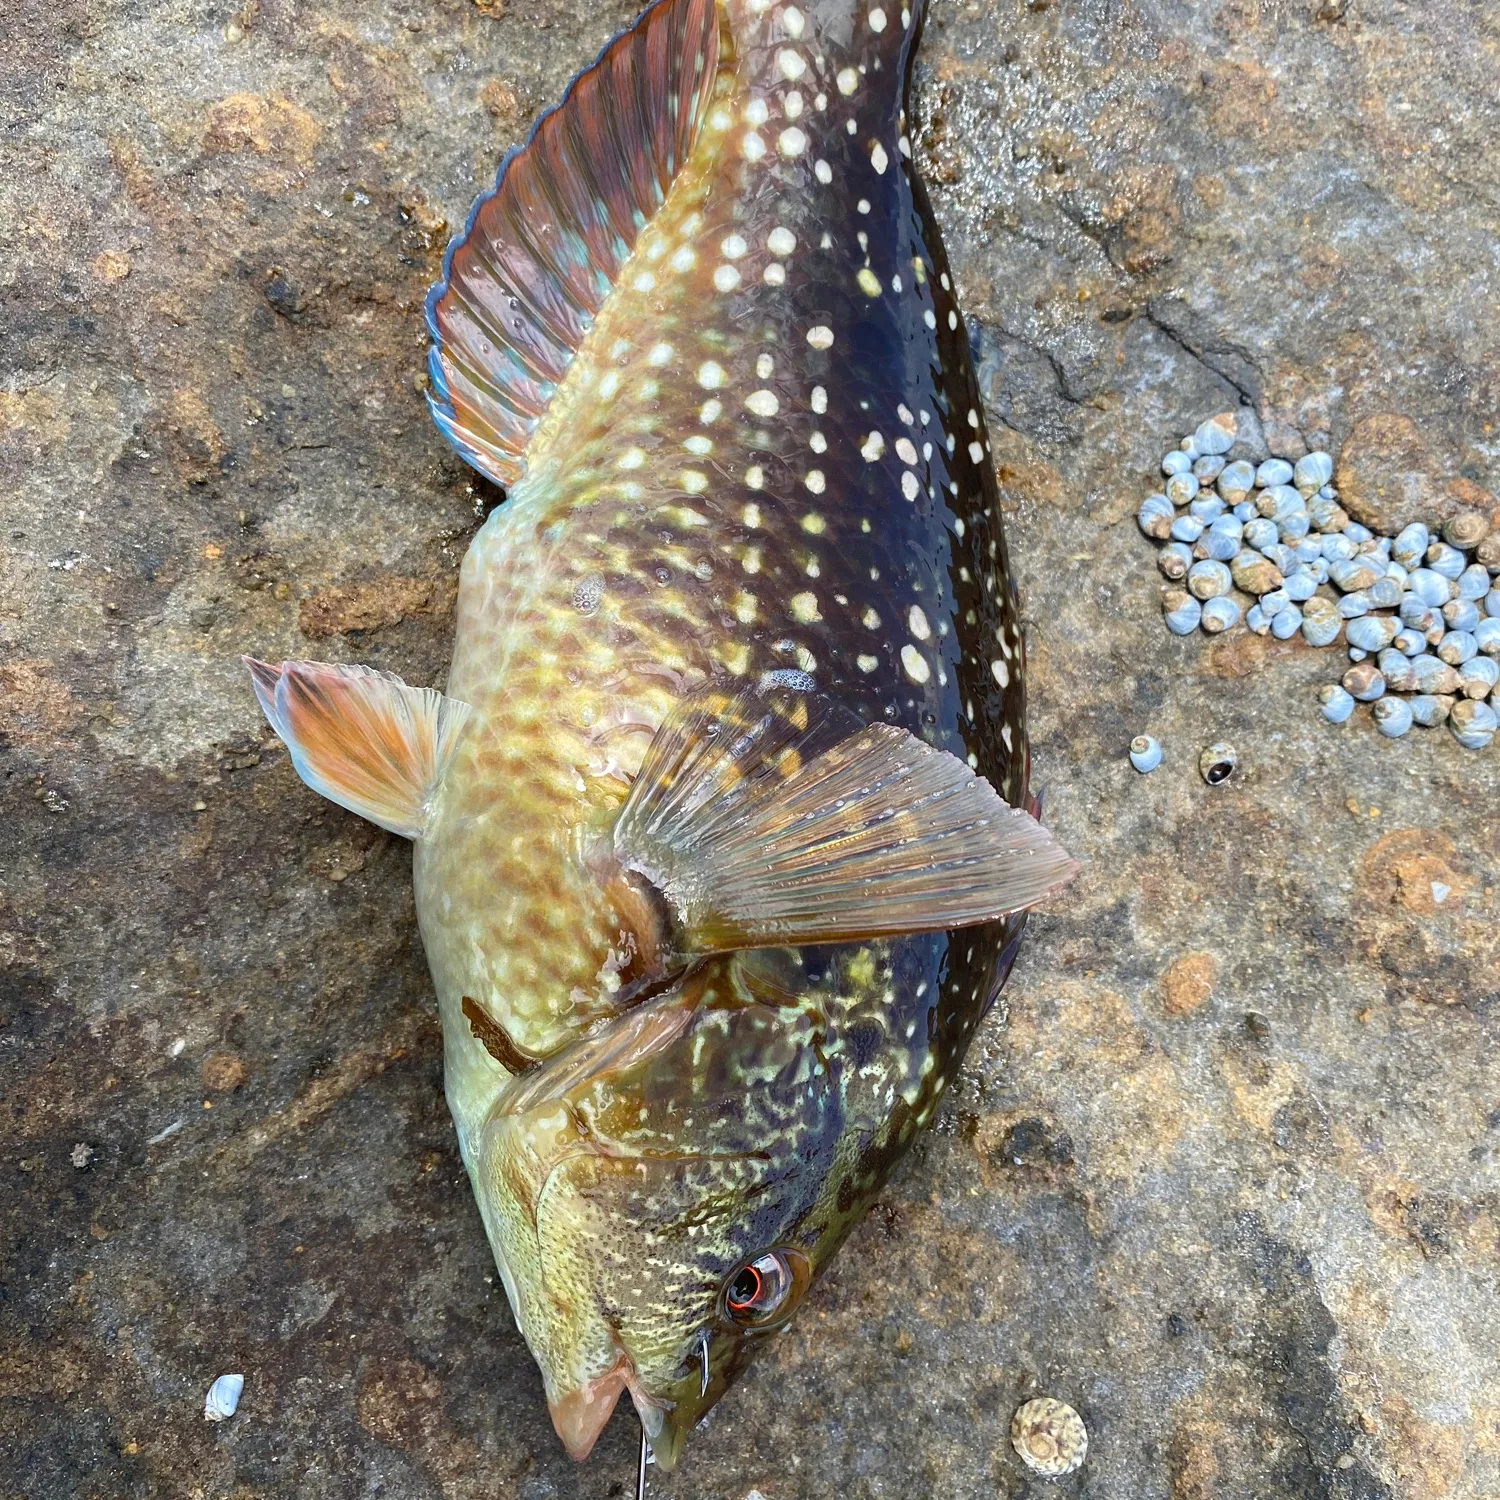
(723,841)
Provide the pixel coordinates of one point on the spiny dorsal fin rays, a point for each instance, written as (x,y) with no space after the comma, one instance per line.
(522,284)
(362,738)
(770,821)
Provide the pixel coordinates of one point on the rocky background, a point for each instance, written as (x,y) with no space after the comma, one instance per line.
(1225,1175)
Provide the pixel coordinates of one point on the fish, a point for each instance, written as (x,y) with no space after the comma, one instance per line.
(723,833)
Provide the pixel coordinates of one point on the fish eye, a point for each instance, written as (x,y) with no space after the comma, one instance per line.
(762,1291)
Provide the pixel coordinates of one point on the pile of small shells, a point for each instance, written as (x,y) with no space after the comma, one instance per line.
(1419,612)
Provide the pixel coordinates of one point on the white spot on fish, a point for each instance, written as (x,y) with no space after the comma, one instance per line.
(733,247)
(822,171)
(871,620)
(820,337)
(631,458)
(694,482)
(872,447)
(684,260)
(791,18)
(869,283)
(916,668)
(976,452)
(751,515)
(764,366)
(774,274)
(818,443)
(909,486)
(710,375)
(905,450)
(819,400)
(726,279)
(757,112)
(878,159)
(866,663)
(755,477)
(918,623)
(709,411)
(609,385)
(763,403)
(752,147)
(848,81)
(877,19)
(1001,672)
(791,62)
(781,241)
(816,481)
(805,609)
(793,141)
(702,446)
(661,354)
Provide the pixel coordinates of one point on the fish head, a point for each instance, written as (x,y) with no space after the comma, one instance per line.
(660,1207)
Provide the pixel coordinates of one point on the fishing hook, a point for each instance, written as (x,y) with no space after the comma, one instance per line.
(640,1477)
(703,1354)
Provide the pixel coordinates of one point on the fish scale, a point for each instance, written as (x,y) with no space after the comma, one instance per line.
(710,867)
(687,585)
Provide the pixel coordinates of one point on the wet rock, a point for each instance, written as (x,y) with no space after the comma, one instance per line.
(1188,982)
(212,325)
(1386,476)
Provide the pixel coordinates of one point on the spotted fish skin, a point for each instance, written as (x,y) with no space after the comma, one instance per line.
(743,445)
(768,456)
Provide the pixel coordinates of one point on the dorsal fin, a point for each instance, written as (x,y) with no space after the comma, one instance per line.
(524,281)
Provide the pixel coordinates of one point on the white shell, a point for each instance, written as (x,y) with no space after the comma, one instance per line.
(223,1398)
(1050,1436)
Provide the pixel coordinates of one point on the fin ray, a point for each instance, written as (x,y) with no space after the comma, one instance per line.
(362,738)
(771,821)
(524,281)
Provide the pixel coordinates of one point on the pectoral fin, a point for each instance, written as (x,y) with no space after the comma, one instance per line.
(362,738)
(771,821)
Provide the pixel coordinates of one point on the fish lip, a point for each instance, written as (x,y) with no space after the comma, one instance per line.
(580,1415)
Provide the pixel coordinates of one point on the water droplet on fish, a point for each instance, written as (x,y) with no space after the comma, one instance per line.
(587,593)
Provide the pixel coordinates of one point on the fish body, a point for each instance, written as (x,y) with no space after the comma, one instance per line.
(736,665)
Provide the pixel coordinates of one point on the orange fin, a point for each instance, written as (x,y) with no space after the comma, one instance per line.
(523,283)
(771,821)
(362,738)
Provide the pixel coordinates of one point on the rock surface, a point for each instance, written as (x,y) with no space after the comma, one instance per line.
(1224,1174)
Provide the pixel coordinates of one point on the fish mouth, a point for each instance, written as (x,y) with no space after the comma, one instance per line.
(581,1415)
